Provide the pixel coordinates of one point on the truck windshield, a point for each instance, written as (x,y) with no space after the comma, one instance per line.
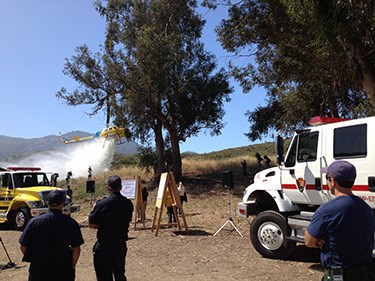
(30,179)
(290,160)
(307,147)
(302,149)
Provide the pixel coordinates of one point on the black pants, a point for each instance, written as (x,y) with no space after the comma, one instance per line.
(109,261)
(48,272)
(170,214)
(360,274)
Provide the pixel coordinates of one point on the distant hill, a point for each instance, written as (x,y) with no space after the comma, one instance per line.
(267,148)
(14,147)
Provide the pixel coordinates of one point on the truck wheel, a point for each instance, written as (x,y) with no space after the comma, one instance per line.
(268,233)
(20,218)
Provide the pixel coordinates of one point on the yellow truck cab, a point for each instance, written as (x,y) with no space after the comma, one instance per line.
(23,195)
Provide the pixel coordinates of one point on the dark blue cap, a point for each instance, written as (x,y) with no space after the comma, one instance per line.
(56,197)
(341,170)
(114,182)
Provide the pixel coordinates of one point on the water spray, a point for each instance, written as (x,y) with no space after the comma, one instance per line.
(75,157)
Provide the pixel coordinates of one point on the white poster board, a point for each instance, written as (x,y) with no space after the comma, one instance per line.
(162,187)
(128,188)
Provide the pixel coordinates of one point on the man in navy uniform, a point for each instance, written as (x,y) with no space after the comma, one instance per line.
(343,228)
(111,216)
(52,242)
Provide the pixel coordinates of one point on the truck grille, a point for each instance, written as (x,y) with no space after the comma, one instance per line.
(44,197)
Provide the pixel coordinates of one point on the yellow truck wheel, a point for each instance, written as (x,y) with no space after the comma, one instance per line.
(20,217)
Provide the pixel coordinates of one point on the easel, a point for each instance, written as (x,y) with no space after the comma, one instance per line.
(168,197)
(227,179)
(139,204)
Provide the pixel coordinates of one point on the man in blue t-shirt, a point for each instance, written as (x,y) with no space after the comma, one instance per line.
(343,228)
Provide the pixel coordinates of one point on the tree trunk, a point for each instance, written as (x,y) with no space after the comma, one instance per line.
(368,75)
(159,143)
(176,155)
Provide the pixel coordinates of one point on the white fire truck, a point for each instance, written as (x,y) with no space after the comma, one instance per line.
(284,198)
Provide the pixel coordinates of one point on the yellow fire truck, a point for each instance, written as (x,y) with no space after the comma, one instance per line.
(23,195)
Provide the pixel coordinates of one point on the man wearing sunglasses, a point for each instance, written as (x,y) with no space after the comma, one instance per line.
(343,228)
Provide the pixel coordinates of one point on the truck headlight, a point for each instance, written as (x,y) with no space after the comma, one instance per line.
(36,204)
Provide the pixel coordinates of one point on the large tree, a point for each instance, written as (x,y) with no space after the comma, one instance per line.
(304,73)
(171,77)
(96,74)
(348,26)
(170,87)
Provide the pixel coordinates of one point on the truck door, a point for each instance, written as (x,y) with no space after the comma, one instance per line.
(303,169)
(6,190)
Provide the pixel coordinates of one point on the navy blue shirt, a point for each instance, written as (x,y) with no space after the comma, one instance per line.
(347,225)
(50,237)
(113,215)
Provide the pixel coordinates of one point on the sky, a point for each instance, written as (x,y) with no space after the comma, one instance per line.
(35,39)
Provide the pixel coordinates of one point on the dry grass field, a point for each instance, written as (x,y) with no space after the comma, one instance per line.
(183,255)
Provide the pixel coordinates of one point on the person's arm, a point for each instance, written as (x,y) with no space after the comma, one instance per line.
(312,242)
(23,249)
(93,226)
(76,251)
(94,216)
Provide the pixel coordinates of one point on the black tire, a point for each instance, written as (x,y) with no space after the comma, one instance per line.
(268,233)
(20,218)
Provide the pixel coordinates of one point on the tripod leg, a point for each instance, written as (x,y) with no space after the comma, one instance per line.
(221,227)
(232,223)
(10,263)
(229,218)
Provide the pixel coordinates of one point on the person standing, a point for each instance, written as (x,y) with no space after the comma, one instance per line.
(144,197)
(52,242)
(170,209)
(68,176)
(69,192)
(343,227)
(259,159)
(111,217)
(268,160)
(54,179)
(89,171)
(244,167)
(182,194)
(141,209)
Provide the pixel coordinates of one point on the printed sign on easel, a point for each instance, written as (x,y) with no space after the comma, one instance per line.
(132,190)
(168,196)
(128,188)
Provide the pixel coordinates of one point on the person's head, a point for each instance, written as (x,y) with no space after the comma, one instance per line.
(114,183)
(342,172)
(56,199)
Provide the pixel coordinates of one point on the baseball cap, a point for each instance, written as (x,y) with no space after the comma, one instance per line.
(114,182)
(341,170)
(56,197)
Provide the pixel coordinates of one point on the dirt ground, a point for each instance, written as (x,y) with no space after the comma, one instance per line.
(183,255)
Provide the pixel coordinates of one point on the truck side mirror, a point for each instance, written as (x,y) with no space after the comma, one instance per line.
(279,149)
(371,184)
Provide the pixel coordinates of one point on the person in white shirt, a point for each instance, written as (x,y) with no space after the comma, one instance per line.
(181,193)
